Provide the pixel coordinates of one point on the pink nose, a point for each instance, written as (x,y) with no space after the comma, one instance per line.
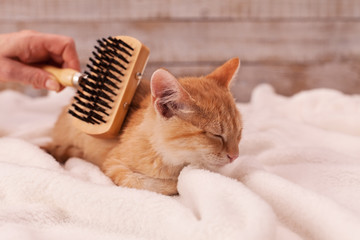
(232,157)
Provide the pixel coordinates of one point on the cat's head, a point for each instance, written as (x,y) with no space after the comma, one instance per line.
(197,121)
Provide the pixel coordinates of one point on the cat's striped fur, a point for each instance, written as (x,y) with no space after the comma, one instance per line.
(171,123)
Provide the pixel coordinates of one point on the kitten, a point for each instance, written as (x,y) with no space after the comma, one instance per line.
(171,123)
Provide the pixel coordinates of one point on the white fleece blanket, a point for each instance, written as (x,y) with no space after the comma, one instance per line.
(298,177)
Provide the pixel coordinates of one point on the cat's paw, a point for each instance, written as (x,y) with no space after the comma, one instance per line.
(162,186)
(62,153)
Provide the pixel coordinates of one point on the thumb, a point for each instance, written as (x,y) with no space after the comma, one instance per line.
(18,72)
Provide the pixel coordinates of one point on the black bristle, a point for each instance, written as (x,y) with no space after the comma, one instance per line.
(101,43)
(79,109)
(93,114)
(90,106)
(82,103)
(98,49)
(100,58)
(124,43)
(92,69)
(100,109)
(107,89)
(111,83)
(86,97)
(93,62)
(117,63)
(111,75)
(121,42)
(105,96)
(122,58)
(95,95)
(89,90)
(76,115)
(103,103)
(114,69)
(114,43)
(92,120)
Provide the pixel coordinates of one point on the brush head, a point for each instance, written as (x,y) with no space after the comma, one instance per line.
(105,93)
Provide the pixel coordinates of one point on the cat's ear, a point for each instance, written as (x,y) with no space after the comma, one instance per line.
(226,72)
(168,96)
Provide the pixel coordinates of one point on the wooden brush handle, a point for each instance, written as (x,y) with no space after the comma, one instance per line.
(65,76)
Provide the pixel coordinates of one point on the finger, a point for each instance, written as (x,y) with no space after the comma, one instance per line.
(15,71)
(62,50)
(34,47)
(16,43)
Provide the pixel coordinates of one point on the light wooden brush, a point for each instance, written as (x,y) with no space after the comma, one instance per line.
(106,89)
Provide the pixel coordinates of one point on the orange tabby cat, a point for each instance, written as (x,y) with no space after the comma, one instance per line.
(171,123)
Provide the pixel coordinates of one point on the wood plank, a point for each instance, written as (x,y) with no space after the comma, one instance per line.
(114,10)
(286,79)
(274,42)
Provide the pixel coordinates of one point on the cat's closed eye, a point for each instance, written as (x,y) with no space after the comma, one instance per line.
(216,136)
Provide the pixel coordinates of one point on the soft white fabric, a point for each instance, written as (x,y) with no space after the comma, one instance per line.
(298,177)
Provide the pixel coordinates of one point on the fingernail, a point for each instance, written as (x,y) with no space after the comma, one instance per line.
(52,85)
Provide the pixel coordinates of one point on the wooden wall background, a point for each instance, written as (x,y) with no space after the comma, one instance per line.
(292,44)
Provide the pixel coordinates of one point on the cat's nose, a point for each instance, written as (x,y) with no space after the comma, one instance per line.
(232,157)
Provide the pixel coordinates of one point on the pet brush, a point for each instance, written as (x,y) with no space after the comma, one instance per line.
(106,89)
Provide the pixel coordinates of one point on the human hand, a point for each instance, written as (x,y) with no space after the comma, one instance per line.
(19,50)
